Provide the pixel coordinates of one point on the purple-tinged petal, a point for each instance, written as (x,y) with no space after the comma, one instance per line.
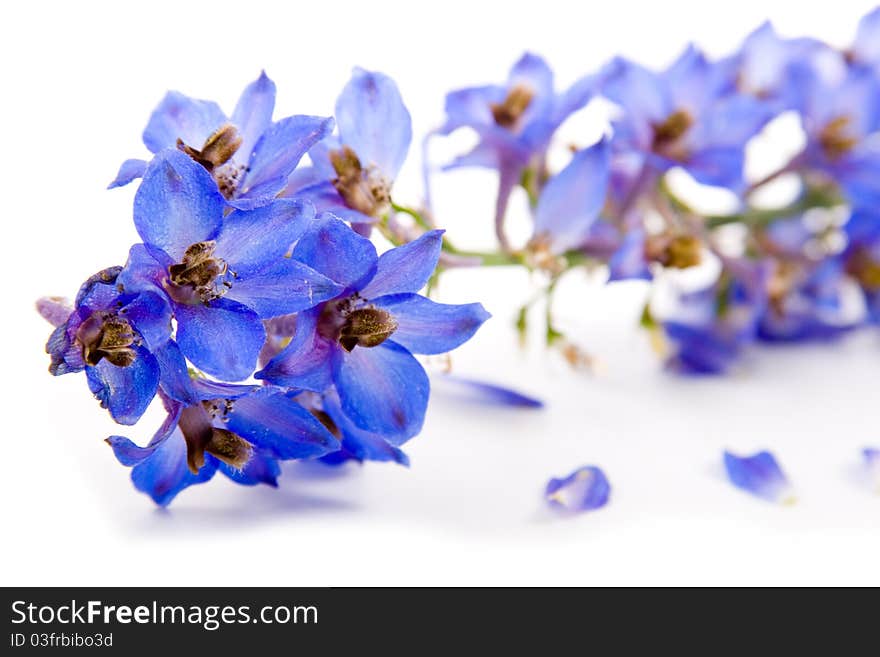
(571,201)
(872,463)
(374,122)
(641,95)
(275,157)
(533,73)
(253,113)
(150,314)
(222,339)
(251,240)
(585,489)
(406,268)
(54,310)
(382,389)
(125,391)
(128,171)
(271,420)
(182,117)
(428,327)
(701,349)
(484,392)
(142,272)
(335,250)
(174,379)
(730,122)
(721,167)
(177,204)
(628,261)
(759,475)
(867,42)
(471,107)
(260,469)
(319,154)
(285,286)
(129,454)
(205,389)
(306,362)
(165,472)
(99,291)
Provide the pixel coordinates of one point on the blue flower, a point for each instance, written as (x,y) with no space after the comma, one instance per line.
(685,116)
(362,340)
(249,157)
(222,273)
(121,340)
(352,174)
(759,475)
(585,489)
(242,431)
(841,118)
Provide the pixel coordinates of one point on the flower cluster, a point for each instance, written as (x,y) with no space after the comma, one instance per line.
(797,254)
(252,267)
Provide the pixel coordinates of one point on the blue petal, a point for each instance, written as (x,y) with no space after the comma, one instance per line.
(382,389)
(628,261)
(359,444)
(165,472)
(471,107)
(701,350)
(721,167)
(177,204)
(142,272)
(335,250)
(427,327)
(374,122)
(285,286)
(585,489)
(406,268)
(128,171)
(129,454)
(205,389)
(222,339)
(253,113)
(867,43)
(150,314)
(641,95)
(532,71)
(271,420)
(571,201)
(306,362)
(260,469)
(182,117)
(275,157)
(174,379)
(488,393)
(759,475)
(125,391)
(251,240)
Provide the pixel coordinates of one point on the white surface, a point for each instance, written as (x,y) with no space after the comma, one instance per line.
(78,84)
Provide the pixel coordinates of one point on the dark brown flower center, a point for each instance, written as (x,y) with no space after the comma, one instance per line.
(835,138)
(196,424)
(669,133)
(678,251)
(508,112)
(354,323)
(107,336)
(363,189)
(200,276)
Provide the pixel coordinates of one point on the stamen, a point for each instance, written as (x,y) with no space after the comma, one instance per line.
(202,436)
(508,112)
(197,275)
(217,150)
(107,336)
(363,189)
(668,134)
(835,138)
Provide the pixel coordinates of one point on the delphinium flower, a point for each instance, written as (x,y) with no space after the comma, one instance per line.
(585,489)
(760,475)
(231,276)
(361,341)
(352,172)
(514,122)
(249,156)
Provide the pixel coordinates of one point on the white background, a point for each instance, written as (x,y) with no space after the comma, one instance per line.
(78,83)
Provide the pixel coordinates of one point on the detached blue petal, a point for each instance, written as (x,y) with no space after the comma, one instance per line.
(484,392)
(125,391)
(406,268)
(253,112)
(872,462)
(382,389)
(759,475)
(335,250)
(278,424)
(222,339)
(249,241)
(374,122)
(177,204)
(571,201)
(182,117)
(128,171)
(428,327)
(585,489)
(275,157)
